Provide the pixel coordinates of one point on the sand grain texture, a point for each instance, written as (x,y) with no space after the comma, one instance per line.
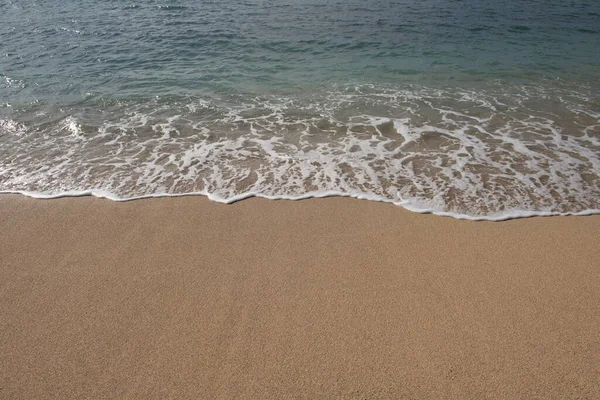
(323,298)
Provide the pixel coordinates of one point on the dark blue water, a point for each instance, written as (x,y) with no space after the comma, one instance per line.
(470,107)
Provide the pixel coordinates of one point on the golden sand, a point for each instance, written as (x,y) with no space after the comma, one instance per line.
(322,298)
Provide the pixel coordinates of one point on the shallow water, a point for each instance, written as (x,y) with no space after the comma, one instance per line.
(462,107)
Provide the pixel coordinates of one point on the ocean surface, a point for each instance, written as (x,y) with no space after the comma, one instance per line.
(476,109)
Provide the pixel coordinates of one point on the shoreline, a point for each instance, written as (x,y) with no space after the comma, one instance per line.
(509,215)
(322,298)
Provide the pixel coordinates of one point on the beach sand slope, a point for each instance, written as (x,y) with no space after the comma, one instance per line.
(321,298)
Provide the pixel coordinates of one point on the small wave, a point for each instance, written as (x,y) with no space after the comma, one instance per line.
(12,83)
(520,28)
(11,127)
(504,216)
(171,7)
(479,154)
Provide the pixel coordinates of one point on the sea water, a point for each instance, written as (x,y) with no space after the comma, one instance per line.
(470,108)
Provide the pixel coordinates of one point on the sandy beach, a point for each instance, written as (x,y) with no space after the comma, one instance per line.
(321,298)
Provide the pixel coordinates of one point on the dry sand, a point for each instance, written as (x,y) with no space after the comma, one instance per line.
(323,298)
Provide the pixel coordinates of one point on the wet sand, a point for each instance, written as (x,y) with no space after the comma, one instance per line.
(321,298)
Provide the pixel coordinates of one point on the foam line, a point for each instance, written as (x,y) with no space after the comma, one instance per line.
(509,215)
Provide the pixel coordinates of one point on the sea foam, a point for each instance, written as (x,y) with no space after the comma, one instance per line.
(490,154)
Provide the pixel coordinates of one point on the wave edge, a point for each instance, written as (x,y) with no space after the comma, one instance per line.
(407,205)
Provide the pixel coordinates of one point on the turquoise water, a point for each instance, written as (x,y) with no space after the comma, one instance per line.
(471,108)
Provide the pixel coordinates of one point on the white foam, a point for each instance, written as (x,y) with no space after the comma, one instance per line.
(505,216)
(487,155)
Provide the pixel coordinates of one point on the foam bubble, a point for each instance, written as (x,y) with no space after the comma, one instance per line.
(488,154)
